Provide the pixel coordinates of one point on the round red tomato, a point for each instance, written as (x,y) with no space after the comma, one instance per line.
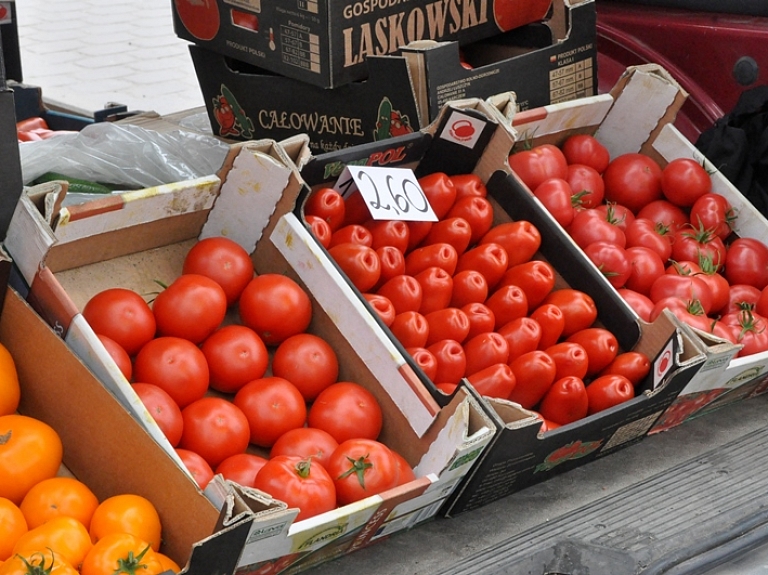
(346,410)
(306,442)
(176,365)
(484,350)
(522,335)
(665,213)
(752,331)
(224,261)
(608,391)
(451,360)
(440,192)
(640,303)
(590,226)
(320,229)
(275,307)
(566,401)
(520,239)
(684,180)
(393,233)
(235,355)
(687,311)
(191,307)
(469,286)
(404,291)
(361,468)
(453,231)
(578,307)
(612,261)
(214,428)
(645,266)
(123,316)
(555,194)
(643,232)
(617,215)
(241,468)
(300,482)
(327,204)
(690,243)
(601,347)
(162,408)
(714,212)
(308,362)
(746,262)
(741,296)
(570,359)
(410,328)
(534,374)
(477,211)
(686,287)
(447,323)
(586,149)
(551,322)
(481,318)
(535,164)
(198,467)
(382,307)
(632,180)
(587,186)
(359,263)
(270,406)
(118,354)
(496,380)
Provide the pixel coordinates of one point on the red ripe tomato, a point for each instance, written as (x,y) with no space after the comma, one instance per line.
(300,482)
(741,296)
(308,362)
(191,307)
(746,262)
(360,264)
(643,232)
(601,347)
(163,410)
(447,323)
(632,180)
(440,192)
(586,149)
(346,410)
(520,239)
(451,360)
(198,467)
(535,164)
(617,215)
(578,307)
(123,316)
(608,391)
(271,406)
(235,355)
(441,255)
(320,229)
(490,259)
(687,311)
(497,381)
(425,359)
(761,305)
(118,354)
(468,185)
(586,183)
(686,287)
(522,335)
(382,306)
(214,428)
(328,204)
(436,289)
(306,442)
(570,359)
(645,267)
(176,365)
(352,233)
(411,329)
(361,468)
(417,231)
(481,318)
(718,285)
(566,401)
(393,233)
(275,307)
(392,263)
(641,304)
(689,243)
(356,209)
(454,231)
(404,291)
(752,331)
(469,286)
(633,365)
(665,213)
(404,469)
(484,350)
(551,322)
(224,261)
(534,375)
(611,260)
(590,226)
(477,211)
(535,277)
(684,180)
(241,468)
(714,212)
(507,303)
(555,194)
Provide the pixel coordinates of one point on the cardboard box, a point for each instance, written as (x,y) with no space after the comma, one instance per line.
(325,43)
(639,116)
(520,455)
(247,103)
(546,62)
(135,238)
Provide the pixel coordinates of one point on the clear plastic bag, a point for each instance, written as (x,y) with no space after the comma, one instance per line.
(124,155)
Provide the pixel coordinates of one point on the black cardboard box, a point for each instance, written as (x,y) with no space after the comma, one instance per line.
(326,42)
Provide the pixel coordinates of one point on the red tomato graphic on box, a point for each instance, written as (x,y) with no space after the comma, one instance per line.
(511,14)
(200,17)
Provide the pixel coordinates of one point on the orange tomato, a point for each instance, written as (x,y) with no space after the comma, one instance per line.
(127,513)
(12,526)
(59,496)
(121,553)
(65,536)
(167,563)
(30,451)
(46,562)
(9,383)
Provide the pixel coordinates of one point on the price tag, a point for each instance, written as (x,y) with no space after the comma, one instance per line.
(390,193)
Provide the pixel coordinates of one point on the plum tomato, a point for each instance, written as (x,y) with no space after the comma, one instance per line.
(535,277)
(224,261)
(382,306)
(469,286)
(507,303)
(275,307)
(308,362)
(214,428)
(570,358)
(477,211)
(534,375)
(162,408)
(447,323)
(634,365)
(352,233)
(306,442)
(191,307)
(579,309)
(328,204)
(566,401)
(481,318)
(490,259)
(451,360)
(425,359)
(270,406)
(346,410)
(123,316)
(360,263)
(436,289)
(454,231)
(301,483)
(440,192)
(520,239)
(392,263)
(356,210)
(484,350)
(551,323)
(417,231)
(534,164)
(404,291)
(632,180)
(361,468)
(601,347)
(241,468)
(468,185)
(393,233)
(608,391)
(320,230)
(235,355)
(441,255)
(522,335)
(410,328)
(496,381)
(586,149)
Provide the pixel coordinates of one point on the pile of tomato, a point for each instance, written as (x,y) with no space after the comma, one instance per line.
(223,360)
(469,299)
(660,235)
(51,522)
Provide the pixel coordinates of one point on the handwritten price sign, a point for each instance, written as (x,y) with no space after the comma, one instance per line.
(390,193)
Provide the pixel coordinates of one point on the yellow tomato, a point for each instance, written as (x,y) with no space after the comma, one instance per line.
(65,536)
(127,513)
(31,564)
(12,526)
(121,553)
(10,392)
(59,496)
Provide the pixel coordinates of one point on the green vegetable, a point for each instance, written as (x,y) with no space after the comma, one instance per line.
(75,185)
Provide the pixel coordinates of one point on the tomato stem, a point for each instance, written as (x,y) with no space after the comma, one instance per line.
(358,468)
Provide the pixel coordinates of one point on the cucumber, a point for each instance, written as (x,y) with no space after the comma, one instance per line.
(75,185)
